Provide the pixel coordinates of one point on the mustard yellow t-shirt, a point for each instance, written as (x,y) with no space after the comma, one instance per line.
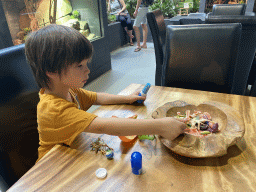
(60,121)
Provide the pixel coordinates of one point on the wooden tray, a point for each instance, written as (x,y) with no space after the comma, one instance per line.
(231,126)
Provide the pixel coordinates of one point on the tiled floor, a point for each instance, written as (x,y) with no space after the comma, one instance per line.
(127,67)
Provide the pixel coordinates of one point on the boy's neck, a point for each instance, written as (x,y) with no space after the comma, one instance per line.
(63,93)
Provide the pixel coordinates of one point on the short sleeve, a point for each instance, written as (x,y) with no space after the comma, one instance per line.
(68,123)
(85,98)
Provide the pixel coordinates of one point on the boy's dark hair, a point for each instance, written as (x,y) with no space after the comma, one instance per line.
(53,48)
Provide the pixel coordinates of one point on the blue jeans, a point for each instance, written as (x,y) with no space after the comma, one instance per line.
(125,21)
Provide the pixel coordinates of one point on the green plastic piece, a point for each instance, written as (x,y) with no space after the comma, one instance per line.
(205,132)
(148,137)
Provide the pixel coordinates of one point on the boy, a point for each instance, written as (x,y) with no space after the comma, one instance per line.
(58,56)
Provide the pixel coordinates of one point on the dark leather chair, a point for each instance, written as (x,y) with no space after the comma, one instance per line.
(19,139)
(252,74)
(190,21)
(246,48)
(253,89)
(158,30)
(252,79)
(197,15)
(228,9)
(201,57)
(192,18)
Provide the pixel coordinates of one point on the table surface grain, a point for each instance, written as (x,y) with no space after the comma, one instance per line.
(73,168)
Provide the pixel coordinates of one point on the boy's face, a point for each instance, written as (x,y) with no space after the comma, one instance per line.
(76,75)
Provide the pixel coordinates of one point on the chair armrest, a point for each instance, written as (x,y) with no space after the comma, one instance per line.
(249,14)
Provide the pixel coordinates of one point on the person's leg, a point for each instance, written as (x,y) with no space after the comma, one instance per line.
(136,26)
(123,21)
(129,32)
(129,27)
(121,18)
(145,34)
(144,27)
(137,34)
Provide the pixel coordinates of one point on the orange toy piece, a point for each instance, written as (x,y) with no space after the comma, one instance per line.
(131,137)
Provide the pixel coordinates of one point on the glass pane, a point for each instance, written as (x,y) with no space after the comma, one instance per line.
(24,16)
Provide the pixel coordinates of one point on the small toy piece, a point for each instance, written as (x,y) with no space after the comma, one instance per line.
(101,173)
(131,137)
(99,145)
(136,163)
(109,154)
(144,91)
(147,137)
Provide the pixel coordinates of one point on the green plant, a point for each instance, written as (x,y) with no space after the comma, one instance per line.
(27,30)
(166,6)
(76,15)
(111,18)
(130,6)
(195,8)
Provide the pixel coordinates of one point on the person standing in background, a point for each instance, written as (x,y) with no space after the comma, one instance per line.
(140,15)
(118,8)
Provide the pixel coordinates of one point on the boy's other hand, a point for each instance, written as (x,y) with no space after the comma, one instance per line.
(172,128)
(135,97)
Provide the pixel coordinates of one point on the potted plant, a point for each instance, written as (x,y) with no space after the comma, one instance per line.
(111,18)
(130,6)
(167,7)
(76,15)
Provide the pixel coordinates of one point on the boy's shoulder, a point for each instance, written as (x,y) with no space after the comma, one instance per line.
(52,102)
(82,92)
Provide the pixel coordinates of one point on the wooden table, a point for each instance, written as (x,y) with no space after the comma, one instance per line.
(73,169)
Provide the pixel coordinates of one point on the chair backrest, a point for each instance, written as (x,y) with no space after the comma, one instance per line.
(158,30)
(253,89)
(190,21)
(252,78)
(15,71)
(246,47)
(201,57)
(197,15)
(19,139)
(228,9)
(252,74)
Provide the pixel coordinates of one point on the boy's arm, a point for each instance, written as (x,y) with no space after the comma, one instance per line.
(106,99)
(166,127)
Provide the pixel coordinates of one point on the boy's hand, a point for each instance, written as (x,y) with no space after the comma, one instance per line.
(135,97)
(172,128)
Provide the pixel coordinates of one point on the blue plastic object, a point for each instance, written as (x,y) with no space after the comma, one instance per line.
(144,91)
(136,163)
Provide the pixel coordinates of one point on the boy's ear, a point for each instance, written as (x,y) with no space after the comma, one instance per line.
(51,75)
